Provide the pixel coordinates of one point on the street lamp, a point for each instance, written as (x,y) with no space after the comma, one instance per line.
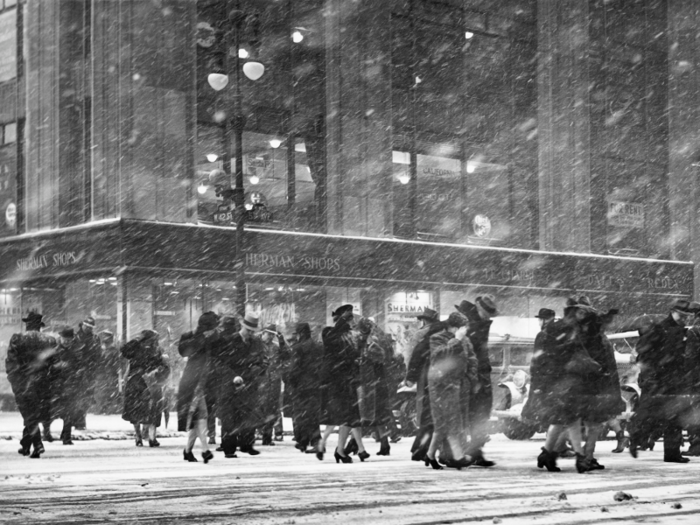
(234,125)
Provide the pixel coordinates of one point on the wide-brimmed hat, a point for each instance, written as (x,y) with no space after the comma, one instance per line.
(428,314)
(148,334)
(468,309)
(208,320)
(251,322)
(488,303)
(681,306)
(457,319)
(67,332)
(89,321)
(271,328)
(34,318)
(582,303)
(342,309)
(546,313)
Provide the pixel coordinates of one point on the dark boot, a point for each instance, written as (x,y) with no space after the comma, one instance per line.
(694,450)
(549,460)
(582,464)
(188,456)
(385,448)
(622,442)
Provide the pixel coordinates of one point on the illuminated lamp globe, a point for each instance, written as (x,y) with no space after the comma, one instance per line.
(202,189)
(253,70)
(275,143)
(468,35)
(471,167)
(404,178)
(254,179)
(243,53)
(217,81)
(211,157)
(297,37)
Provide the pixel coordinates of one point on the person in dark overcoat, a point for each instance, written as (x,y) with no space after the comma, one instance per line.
(242,362)
(663,382)
(192,404)
(556,394)
(66,382)
(89,350)
(143,394)
(229,326)
(692,366)
(376,354)
(602,398)
(417,374)
(28,364)
(453,371)
(479,315)
(277,354)
(341,379)
(304,378)
(109,376)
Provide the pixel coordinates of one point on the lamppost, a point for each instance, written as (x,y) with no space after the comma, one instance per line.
(234,125)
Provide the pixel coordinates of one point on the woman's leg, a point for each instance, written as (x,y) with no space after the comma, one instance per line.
(357,434)
(552,440)
(202,430)
(326,433)
(574,430)
(343,433)
(434,444)
(191,438)
(592,432)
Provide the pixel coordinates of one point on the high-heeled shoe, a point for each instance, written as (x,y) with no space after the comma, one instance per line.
(339,458)
(363,455)
(188,456)
(385,448)
(418,455)
(207,455)
(432,463)
(153,443)
(320,450)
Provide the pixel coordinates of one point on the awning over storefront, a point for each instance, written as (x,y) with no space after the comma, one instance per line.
(124,245)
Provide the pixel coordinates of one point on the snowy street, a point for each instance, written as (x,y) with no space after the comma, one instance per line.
(110,480)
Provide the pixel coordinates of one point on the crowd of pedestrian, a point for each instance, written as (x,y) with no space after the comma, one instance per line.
(345,378)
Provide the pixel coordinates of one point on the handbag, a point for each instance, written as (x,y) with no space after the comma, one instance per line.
(582,364)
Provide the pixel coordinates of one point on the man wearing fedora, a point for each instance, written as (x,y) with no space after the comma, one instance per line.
(479,314)
(417,373)
(664,383)
(242,362)
(27,364)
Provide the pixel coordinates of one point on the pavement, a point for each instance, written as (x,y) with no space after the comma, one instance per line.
(106,480)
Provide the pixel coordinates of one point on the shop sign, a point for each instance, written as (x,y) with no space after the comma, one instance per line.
(481,225)
(625,214)
(292,262)
(47,260)
(401,306)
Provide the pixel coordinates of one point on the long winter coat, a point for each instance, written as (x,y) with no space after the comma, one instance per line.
(304,379)
(602,399)
(375,397)
(27,364)
(417,371)
(277,357)
(67,381)
(692,362)
(341,376)
(453,370)
(663,376)
(89,352)
(555,394)
(144,399)
(238,406)
(482,400)
(197,348)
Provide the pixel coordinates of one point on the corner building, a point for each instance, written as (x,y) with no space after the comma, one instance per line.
(396,155)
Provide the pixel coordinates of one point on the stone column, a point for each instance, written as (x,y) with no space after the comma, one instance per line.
(359,138)
(143,109)
(684,131)
(564,125)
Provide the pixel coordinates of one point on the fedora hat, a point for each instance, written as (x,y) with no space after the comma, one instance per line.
(488,303)
(468,309)
(546,313)
(89,321)
(342,309)
(67,332)
(208,320)
(428,314)
(251,322)
(33,318)
(682,306)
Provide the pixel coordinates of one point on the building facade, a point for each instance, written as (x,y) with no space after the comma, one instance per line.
(396,155)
